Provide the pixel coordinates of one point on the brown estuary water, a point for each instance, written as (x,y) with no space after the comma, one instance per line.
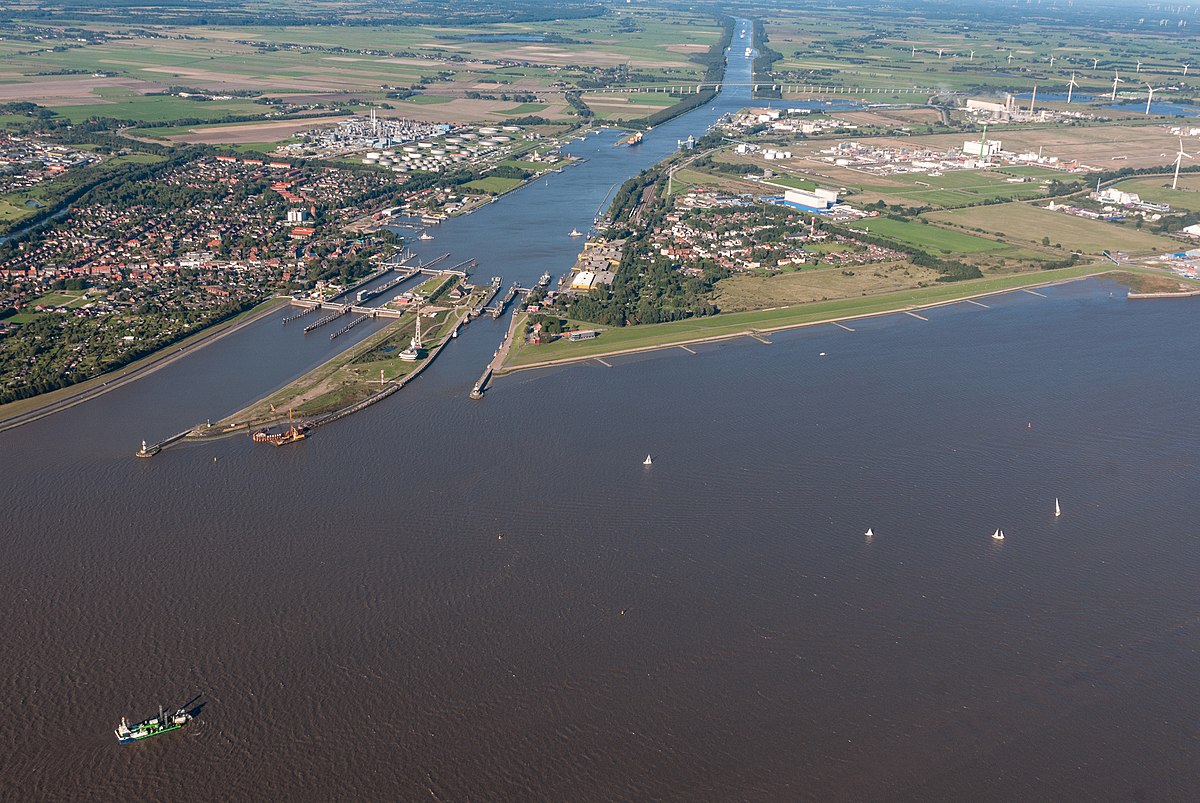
(441,599)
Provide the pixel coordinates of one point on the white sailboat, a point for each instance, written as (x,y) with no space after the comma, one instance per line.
(647,461)
(1057,508)
(998,535)
(869,533)
(576,233)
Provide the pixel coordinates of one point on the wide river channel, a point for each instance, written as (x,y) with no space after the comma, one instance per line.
(456,600)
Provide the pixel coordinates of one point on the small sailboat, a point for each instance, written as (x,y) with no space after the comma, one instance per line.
(998,535)
(869,533)
(576,233)
(647,461)
(1057,508)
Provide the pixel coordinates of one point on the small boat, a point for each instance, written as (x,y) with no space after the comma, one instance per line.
(576,233)
(647,461)
(869,533)
(1057,508)
(425,236)
(998,535)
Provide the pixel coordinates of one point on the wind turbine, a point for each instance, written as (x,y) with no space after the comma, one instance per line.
(1149,97)
(972,58)
(939,54)
(1071,87)
(1139,67)
(914,53)
(1010,57)
(1094,63)
(1179,158)
(1052,61)
(1116,80)
(1185,68)
(1033,99)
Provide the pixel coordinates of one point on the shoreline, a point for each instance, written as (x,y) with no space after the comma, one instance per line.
(42,405)
(751,331)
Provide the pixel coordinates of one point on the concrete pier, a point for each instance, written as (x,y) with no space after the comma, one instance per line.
(497,359)
(338,312)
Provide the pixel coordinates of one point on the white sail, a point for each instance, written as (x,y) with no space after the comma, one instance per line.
(1057,507)
(647,461)
(869,533)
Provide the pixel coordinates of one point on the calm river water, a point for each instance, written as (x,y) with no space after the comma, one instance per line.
(454,600)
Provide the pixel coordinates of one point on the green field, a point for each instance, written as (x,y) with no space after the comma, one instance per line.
(526,108)
(960,187)
(791,182)
(660,100)
(14,211)
(927,237)
(1025,223)
(156,108)
(533,167)
(427,100)
(494,184)
(60,299)
(734,323)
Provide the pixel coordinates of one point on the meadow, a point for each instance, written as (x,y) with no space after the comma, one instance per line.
(933,239)
(1025,223)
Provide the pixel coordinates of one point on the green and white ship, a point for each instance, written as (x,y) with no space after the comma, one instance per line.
(151,727)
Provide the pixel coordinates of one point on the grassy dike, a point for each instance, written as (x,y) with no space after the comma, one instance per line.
(620,340)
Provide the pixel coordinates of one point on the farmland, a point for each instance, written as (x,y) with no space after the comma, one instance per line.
(459,74)
(1023,223)
(928,238)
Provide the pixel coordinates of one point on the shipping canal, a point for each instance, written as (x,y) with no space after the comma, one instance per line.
(440,598)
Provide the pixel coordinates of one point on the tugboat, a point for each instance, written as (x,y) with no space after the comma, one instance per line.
(151,727)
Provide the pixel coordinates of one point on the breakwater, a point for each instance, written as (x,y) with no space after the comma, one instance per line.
(327,319)
(349,326)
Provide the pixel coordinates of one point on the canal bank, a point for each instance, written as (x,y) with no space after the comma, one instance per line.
(25,411)
(650,337)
